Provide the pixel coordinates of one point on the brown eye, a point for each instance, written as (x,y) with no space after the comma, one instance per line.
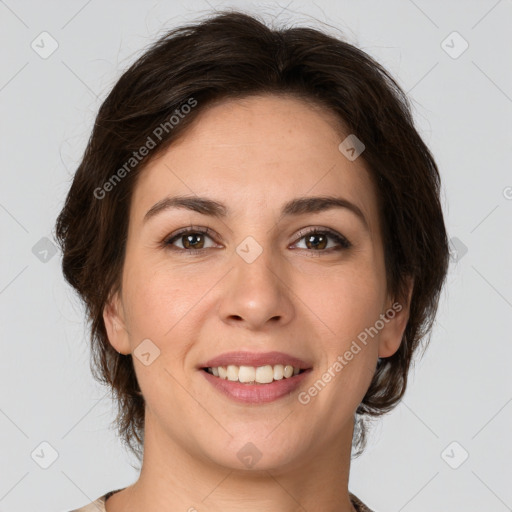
(317,240)
(191,240)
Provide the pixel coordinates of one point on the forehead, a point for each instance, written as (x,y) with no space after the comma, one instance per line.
(261,151)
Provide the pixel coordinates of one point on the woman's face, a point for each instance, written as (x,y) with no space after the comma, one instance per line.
(257,282)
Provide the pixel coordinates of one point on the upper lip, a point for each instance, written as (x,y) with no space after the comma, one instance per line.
(256,359)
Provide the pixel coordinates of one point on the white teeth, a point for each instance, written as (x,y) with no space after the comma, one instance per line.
(246,374)
(278,372)
(232,372)
(264,374)
(249,374)
(288,371)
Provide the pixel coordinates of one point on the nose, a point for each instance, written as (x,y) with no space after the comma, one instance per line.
(257,293)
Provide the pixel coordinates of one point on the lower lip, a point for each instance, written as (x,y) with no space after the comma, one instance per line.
(256,393)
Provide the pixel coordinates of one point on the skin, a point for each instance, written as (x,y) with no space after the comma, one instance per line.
(253,155)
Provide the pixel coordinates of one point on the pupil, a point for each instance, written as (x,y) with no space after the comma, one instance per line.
(190,238)
(311,237)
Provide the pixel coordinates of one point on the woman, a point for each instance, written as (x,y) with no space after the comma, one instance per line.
(256,232)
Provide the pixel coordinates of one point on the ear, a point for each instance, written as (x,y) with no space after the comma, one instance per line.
(397,318)
(115,324)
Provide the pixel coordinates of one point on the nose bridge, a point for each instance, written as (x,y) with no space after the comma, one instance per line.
(256,291)
(255,262)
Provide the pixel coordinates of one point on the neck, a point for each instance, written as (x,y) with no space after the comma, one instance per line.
(172,478)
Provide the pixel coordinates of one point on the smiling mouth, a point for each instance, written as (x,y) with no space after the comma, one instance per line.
(255,375)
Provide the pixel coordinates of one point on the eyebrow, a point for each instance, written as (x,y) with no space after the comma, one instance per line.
(294,207)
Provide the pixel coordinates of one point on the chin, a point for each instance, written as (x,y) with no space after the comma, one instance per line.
(262,450)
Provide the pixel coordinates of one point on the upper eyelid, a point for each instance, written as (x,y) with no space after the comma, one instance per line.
(318,229)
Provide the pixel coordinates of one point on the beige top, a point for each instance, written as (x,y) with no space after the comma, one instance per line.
(99,504)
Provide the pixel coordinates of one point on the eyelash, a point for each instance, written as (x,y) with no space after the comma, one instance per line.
(340,239)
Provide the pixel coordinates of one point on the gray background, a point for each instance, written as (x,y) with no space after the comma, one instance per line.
(461,390)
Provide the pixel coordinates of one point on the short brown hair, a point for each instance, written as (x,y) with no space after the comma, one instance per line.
(233,55)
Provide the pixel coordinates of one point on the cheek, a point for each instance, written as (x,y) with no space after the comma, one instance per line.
(159,298)
(346,300)
(350,309)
